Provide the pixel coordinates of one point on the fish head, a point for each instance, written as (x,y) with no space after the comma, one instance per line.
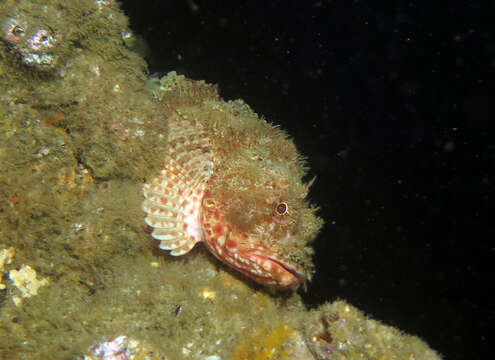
(256,218)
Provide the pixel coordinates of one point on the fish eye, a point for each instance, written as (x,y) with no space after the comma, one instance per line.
(282,208)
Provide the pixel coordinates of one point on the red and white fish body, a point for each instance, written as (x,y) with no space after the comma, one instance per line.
(234,182)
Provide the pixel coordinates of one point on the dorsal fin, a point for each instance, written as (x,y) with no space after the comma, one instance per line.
(177,91)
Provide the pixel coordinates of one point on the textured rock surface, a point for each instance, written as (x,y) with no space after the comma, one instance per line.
(79,135)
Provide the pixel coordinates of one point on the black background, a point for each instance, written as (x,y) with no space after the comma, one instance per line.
(392,103)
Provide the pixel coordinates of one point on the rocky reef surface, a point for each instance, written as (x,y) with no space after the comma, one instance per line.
(80,132)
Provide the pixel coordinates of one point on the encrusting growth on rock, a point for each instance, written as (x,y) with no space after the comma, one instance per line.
(80,132)
(339,331)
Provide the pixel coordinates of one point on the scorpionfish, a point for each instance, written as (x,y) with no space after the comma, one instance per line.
(234,182)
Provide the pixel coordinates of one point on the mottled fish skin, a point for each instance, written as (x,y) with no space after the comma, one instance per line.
(234,182)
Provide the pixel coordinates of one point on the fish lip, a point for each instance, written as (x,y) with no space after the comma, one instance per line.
(296,271)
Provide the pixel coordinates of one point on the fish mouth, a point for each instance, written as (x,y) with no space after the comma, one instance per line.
(287,275)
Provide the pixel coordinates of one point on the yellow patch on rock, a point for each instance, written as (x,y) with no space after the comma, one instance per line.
(6,256)
(26,281)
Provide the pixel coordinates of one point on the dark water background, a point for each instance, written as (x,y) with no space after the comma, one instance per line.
(393,104)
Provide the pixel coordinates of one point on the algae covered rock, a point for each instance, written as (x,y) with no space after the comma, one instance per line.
(80,132)
(340,331)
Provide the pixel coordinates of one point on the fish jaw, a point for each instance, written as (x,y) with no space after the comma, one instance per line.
(251,258)
(279,273)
